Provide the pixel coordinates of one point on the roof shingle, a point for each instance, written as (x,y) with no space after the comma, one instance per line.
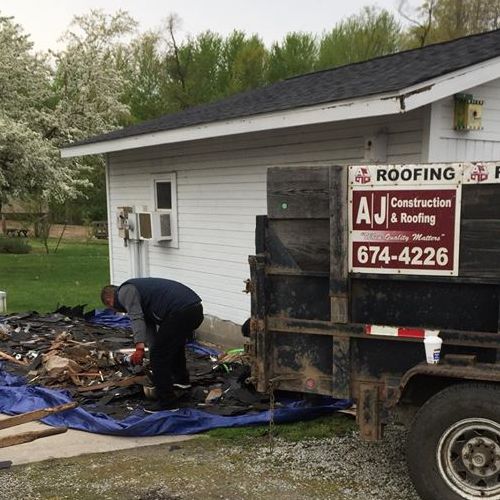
(376,76)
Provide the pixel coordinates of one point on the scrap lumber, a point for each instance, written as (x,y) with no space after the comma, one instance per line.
(7,357)
(35,415)
(88,360)
(139,379)
(352,411)
(214,395)
(27,437)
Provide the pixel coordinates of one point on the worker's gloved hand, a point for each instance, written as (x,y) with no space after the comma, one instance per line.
(137,356)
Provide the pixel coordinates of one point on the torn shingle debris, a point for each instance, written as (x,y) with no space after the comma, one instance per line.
(66,351)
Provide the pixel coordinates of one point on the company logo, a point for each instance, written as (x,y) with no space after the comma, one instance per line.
(362,176)
(479,173)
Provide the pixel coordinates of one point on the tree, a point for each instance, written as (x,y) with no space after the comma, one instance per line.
(89,92)
(441,20)
(243,63)
(30,165)
(296,55)
(456,18)
(164,75)
(208,66)
(146,78)
(371,33)
(421,21)
(203,68)
(177,62)
(89,82)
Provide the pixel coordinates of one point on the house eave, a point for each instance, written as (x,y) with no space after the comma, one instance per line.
(400,101)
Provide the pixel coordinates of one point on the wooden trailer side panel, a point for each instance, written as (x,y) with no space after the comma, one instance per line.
(297,245)
(303,280)
(480,231)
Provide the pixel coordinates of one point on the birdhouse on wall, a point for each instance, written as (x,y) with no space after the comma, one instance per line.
(468,113)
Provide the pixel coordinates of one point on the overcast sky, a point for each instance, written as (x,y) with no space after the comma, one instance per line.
(46,20)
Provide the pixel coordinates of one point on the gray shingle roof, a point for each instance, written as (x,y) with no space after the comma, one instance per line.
(376,76)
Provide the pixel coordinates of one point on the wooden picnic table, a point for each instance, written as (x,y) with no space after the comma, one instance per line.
(100,229)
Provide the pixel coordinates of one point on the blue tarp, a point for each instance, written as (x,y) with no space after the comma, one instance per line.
(108,317)
(17,397)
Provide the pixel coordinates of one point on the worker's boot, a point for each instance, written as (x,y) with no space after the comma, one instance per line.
(180,376)
(167,402)
(182,382)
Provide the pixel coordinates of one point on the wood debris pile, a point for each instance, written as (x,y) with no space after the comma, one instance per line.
(68,353)
(87,360)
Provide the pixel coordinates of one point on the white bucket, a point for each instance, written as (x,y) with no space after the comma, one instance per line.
(433,349)
(3,302)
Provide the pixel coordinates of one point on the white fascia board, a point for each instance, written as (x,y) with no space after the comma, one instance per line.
(402,101)
(329,112)
(450,84)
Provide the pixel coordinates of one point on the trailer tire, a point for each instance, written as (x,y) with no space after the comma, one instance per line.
(453,449)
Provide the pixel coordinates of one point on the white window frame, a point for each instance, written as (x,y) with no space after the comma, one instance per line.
(172,178)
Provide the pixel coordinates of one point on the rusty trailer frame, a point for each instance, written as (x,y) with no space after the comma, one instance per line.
(309,313)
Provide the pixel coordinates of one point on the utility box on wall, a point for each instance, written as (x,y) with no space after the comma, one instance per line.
(468,113)
(122,221)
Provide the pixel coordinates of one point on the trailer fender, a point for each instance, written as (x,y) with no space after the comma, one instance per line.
(423,381)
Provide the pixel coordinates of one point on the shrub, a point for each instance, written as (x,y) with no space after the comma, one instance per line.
(14,245)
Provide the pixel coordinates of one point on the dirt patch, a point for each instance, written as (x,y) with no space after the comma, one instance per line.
(72,232)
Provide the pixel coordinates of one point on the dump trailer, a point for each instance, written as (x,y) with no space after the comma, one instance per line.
(381,283)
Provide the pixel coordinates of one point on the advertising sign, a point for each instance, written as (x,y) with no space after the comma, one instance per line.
(481,173)
(405,219)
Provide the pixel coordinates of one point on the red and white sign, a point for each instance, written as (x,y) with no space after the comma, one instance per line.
(481,173)
(405,219)
(397,331)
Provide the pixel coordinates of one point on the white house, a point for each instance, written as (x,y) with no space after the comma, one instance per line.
(206,166)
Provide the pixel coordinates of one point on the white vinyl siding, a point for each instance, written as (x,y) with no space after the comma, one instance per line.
(221,187)
(447,144)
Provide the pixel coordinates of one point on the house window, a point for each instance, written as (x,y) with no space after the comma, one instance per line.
(163,195)
(165,192)
(165,202)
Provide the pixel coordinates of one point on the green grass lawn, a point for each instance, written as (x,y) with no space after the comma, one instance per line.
(318,428)
(40,282)
(75,275)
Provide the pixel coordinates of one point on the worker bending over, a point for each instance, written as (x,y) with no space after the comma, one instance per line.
(164,314)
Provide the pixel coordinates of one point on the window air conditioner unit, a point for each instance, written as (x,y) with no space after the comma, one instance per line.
(145,225)
(162,224)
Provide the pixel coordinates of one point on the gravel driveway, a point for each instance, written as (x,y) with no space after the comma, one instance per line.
(356,469)
(337,468)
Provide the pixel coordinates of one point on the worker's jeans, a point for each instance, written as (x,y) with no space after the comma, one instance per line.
(167,352)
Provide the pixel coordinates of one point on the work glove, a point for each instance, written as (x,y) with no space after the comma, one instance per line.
(137,356)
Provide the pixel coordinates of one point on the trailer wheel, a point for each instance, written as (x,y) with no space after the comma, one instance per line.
(453,449)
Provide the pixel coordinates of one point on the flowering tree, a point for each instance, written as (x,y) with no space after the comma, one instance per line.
(29,160)
(89,80)
(88,99)
(45,103)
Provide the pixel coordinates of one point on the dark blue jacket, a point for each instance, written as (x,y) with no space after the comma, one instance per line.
(160,297)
